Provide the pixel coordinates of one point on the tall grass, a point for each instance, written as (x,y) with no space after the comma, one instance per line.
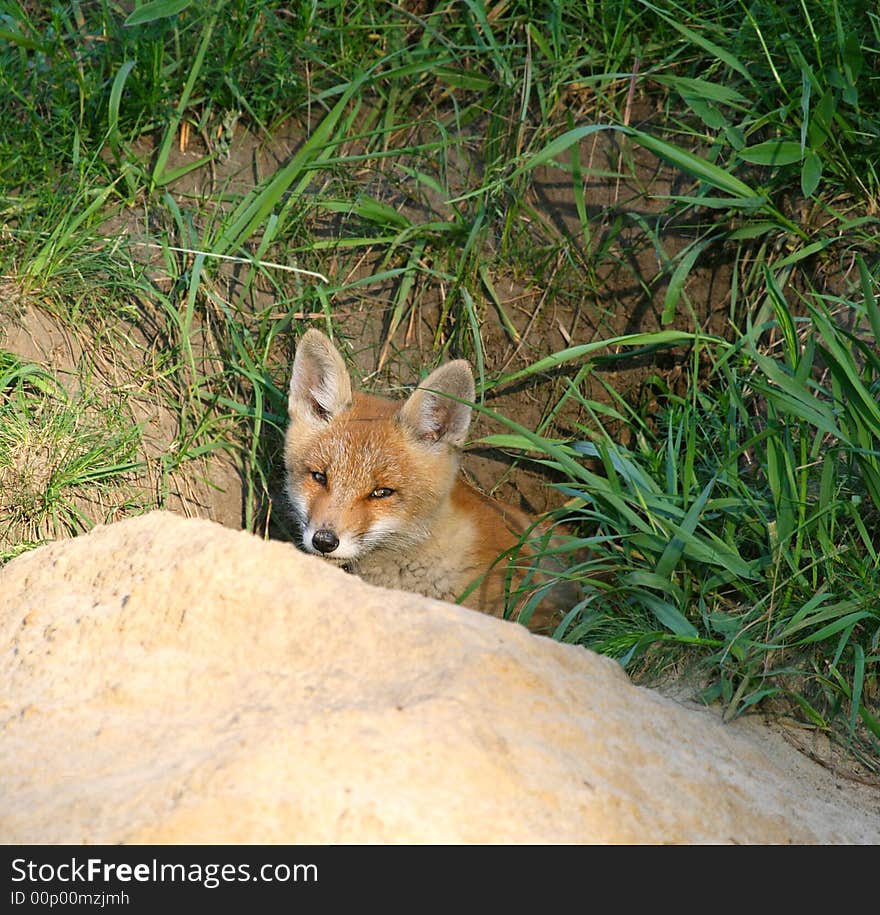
(742,525)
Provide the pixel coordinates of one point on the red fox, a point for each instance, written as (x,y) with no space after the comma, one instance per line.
(375,486)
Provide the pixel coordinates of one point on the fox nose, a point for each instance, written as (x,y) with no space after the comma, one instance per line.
(324,540)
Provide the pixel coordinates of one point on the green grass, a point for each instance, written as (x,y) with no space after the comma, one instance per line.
(719,451)
(741,526)
(65,463)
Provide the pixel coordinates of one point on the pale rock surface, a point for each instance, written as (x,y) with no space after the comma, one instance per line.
(171,681)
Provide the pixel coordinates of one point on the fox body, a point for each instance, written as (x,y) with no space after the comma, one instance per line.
(376,488)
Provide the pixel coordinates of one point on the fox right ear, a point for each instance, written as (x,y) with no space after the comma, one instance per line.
(320,386)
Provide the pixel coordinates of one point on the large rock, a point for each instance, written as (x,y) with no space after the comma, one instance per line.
(169,680)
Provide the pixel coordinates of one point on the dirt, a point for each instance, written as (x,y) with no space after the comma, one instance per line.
(814,765)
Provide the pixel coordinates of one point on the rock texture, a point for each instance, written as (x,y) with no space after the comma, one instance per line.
(169,680)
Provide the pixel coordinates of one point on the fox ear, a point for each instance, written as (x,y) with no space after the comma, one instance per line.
(320,386)
(435,417)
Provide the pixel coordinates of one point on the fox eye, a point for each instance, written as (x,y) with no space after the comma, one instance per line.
(381,492)
(319,478)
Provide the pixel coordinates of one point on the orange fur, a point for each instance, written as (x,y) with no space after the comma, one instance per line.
(376,487)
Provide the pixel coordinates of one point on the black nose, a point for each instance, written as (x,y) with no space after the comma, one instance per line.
(325,541)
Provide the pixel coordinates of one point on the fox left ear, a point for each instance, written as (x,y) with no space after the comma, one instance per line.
(435,417)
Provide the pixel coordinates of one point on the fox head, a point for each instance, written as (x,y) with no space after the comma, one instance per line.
(363,472)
